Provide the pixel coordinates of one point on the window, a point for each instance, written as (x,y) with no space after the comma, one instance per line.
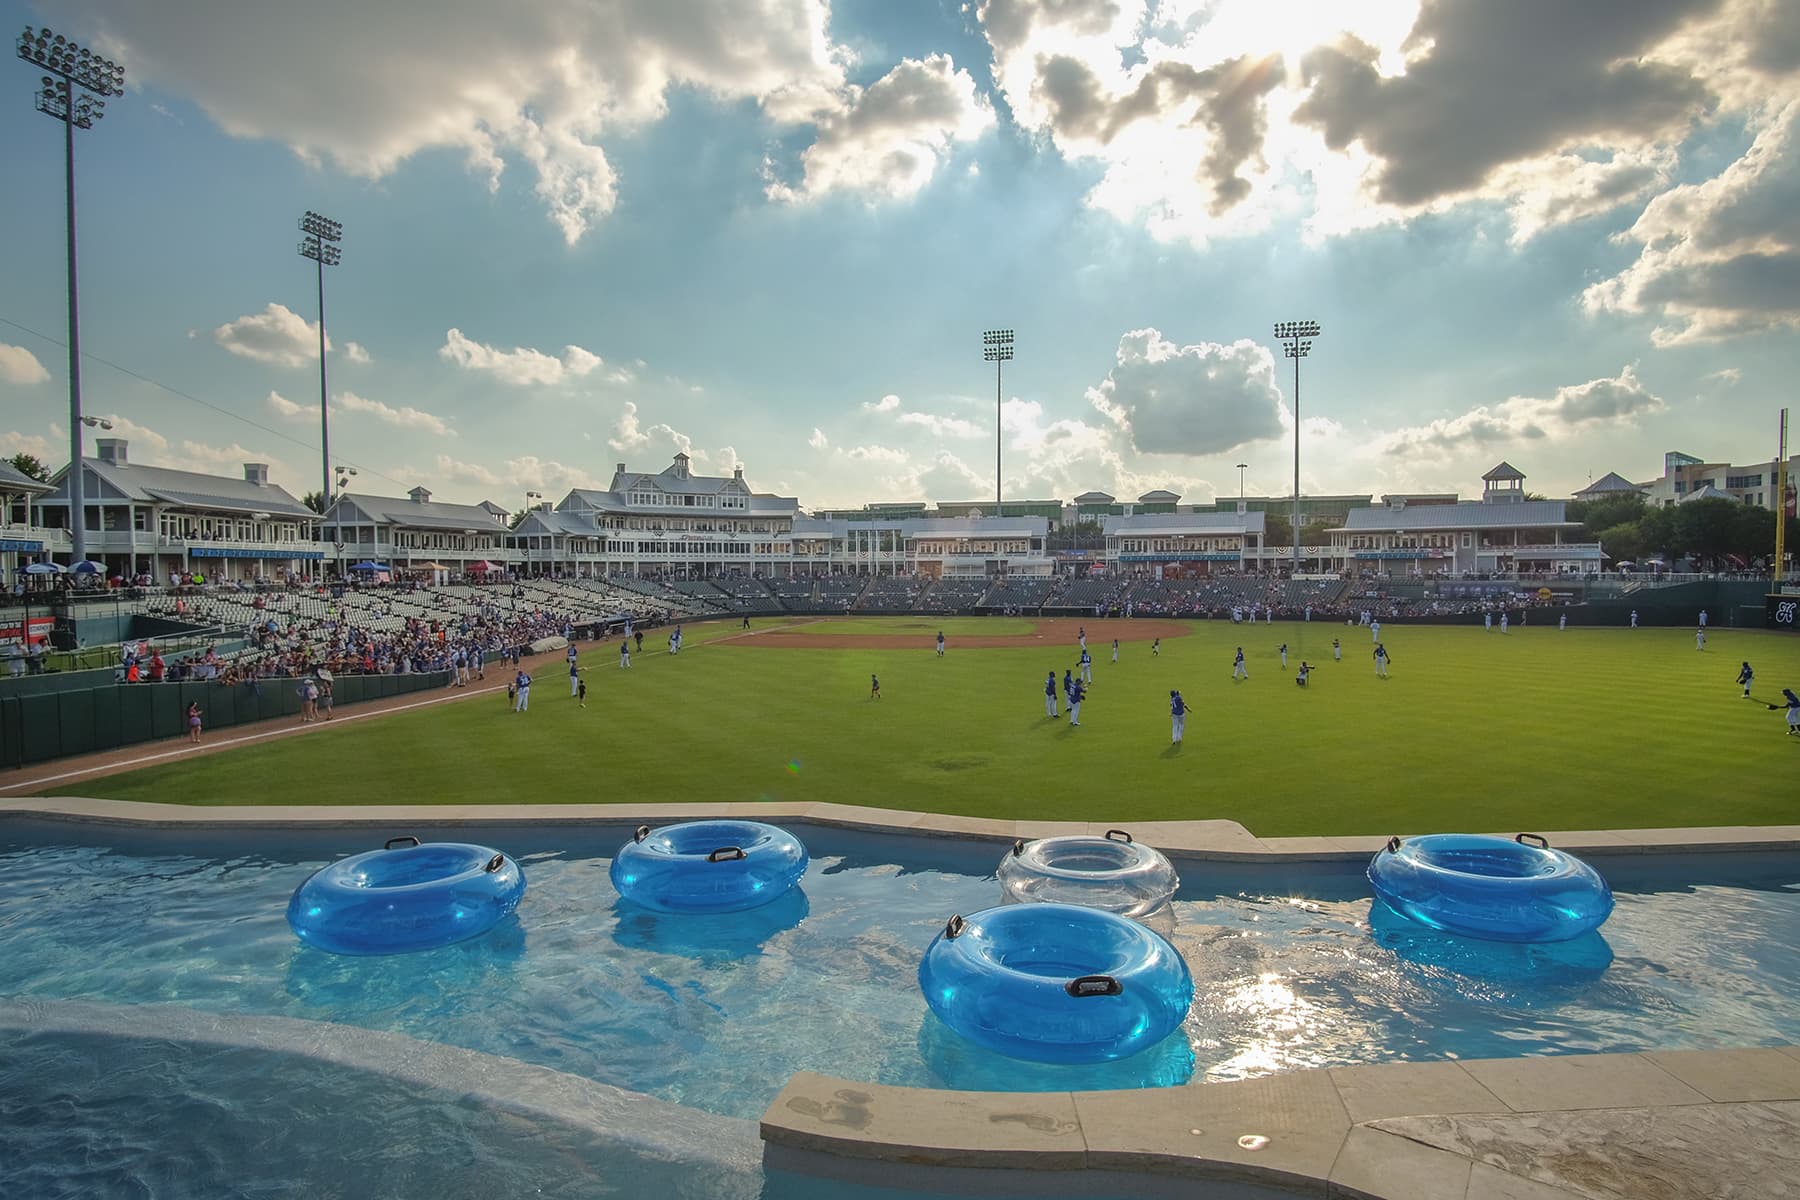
(1468,541)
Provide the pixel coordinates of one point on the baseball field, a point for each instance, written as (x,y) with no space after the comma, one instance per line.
(1534,729)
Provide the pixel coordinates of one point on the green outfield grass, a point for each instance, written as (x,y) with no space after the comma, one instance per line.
(1535,730)
(925,627)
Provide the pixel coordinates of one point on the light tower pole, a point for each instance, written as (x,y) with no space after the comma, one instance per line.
(321,245)
(74,92)
(997,348)
(1296,338)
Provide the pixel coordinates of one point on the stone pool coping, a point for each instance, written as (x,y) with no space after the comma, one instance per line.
(1689,1123)
(1215,840)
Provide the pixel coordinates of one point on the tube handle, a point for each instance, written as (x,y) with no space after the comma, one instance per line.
(1093,985)
(1393,845)
(640,833)
(495,863)
(726,854)
(1525,839)
(1018,847)
(953,928)
(1123,836)
(395,841)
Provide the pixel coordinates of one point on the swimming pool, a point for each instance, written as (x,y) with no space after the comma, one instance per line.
(716,1013)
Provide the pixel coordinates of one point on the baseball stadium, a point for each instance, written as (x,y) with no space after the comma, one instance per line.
(911,706)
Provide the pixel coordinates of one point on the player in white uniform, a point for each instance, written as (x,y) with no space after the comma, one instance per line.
(1284,656)
(1238,669)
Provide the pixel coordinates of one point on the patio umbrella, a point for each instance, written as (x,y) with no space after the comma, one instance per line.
(368,566)
(44,568)
(90,567)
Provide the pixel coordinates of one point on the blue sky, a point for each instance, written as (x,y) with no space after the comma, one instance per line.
(771,232)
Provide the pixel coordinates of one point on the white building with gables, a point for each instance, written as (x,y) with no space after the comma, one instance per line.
(414,533)
(673,523)
(159,520)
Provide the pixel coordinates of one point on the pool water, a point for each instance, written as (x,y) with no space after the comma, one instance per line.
(1292,967)
(149,990)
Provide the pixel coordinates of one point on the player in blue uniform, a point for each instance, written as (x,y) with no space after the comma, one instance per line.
(1075,698)
(1238,669)
(1050,709)
(1745,676)
(1177,717)
(874,688)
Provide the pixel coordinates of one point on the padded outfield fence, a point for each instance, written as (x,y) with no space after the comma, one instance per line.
(34,729)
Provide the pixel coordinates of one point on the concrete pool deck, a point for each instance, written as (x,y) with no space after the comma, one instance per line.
(1663,1125)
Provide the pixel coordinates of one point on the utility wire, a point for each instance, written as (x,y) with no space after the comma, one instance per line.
(175,391)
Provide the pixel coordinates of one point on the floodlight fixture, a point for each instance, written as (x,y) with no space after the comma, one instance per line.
(73,86)
(997,348)
(1296,340)
(320,245)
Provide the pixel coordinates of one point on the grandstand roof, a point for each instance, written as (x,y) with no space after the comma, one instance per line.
(1152,524)
(186,489)
(1470,514)
(17,482)
(417,514)
(928,526)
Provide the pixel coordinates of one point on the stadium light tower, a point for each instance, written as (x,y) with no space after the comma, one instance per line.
(321,245)
(997,348)
(1296,338)
(74,91)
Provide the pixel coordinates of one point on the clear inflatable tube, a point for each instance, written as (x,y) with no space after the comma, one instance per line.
(708,866)
(406,897)
(1505,890)
(1112,873)
(1056,983)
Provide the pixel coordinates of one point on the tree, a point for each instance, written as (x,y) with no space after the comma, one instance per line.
(30,464)
(314,501)
(1606,513)
(1704,528)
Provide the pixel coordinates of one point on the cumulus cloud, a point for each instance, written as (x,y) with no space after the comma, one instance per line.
(522,366)
(406,417)
(1461,111)
(457,471)
(627,435)
(940,426)
(1200,399)
(547,84)
(19,365)
(356,353)
(1582,408)
(276,335)
(888,140)
(818,440)
(932,423)
(1720,257)
(1213,118)
(548,476)
(281,406)
(35,444)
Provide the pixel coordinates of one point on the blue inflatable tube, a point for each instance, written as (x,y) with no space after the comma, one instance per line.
(1491,887)
(708,866)
(406,897)
(1056,983)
